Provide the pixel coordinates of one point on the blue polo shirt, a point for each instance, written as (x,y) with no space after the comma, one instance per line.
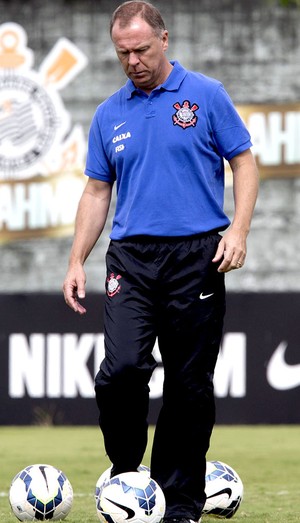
(165,151)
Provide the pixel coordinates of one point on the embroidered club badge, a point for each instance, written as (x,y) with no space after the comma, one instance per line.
(113,285)
(185,114)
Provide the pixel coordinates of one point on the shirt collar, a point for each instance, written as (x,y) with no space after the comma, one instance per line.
(172,83)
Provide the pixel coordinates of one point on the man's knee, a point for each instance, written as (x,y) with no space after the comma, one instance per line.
(128,372)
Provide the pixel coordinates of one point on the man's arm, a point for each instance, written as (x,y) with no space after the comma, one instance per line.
(90,220)
(232,248)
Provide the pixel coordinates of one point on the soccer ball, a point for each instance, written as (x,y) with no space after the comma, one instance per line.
(131,497)
(39,493)
(105,477)
(224,490)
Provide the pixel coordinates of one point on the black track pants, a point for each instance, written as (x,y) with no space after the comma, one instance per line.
(167,289)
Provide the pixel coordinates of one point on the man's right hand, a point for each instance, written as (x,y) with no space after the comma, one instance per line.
(74,288)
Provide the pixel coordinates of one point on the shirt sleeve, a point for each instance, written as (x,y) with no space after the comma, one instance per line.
(97,162)
(229,131)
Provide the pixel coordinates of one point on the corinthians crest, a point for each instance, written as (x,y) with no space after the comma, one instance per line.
(113,285)
(41,154)
(185,114)
(33,121)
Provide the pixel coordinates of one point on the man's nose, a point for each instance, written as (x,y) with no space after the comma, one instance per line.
(133,59)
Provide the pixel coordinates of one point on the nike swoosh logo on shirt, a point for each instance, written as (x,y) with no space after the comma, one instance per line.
(205,296)
(116,127)
(281,375)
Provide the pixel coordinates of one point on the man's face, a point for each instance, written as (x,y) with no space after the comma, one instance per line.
(142,53)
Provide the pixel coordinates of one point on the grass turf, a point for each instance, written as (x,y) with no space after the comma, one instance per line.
(267,459)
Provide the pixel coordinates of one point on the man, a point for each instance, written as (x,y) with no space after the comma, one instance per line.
(162,138)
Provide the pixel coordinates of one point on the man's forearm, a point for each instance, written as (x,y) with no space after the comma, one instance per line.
(90,221)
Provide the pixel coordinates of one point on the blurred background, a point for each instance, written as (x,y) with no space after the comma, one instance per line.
(57,64)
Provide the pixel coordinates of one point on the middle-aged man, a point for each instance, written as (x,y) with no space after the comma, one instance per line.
(162,138)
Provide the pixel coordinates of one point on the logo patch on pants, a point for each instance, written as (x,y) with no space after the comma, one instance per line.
(113,285)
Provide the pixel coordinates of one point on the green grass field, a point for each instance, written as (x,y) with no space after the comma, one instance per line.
(266,458)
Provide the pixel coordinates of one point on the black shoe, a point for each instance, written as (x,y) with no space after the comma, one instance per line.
(115,471)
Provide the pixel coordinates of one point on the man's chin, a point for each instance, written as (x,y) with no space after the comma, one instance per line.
(139,78)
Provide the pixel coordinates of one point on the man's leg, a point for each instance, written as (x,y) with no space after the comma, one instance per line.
(121,384)
(189,340)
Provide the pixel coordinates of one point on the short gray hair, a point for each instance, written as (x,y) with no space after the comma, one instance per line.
(128,10)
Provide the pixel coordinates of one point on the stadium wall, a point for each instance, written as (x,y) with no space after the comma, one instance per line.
(253,47)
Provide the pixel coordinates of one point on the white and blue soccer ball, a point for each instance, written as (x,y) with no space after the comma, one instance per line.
(131,497)
(40,493)
(105,477)
(224,490)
